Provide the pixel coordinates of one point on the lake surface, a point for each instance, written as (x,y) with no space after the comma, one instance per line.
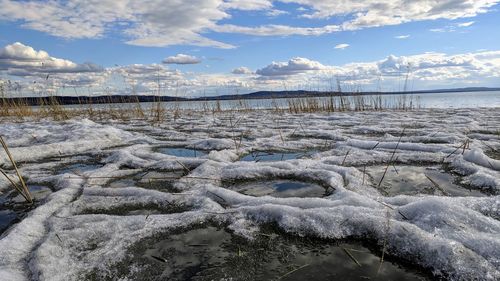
(430,100)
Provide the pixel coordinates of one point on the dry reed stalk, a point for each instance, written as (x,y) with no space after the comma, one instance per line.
(25,191)
(385,241)
(345,157)
(292,271)
(351,256)
(436,185)
(392,156)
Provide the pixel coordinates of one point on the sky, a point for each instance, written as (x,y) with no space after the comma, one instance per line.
(214,47)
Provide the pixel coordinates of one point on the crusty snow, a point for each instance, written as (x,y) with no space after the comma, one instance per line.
(85,225)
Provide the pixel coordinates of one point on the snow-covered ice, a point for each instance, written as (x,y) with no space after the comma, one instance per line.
(112,187)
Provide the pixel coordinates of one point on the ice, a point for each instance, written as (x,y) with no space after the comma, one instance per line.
(113,189)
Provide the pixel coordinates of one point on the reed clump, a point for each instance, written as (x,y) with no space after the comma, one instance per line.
(158,111)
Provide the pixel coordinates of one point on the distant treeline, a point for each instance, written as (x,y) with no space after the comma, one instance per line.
(255,95)
(87,99)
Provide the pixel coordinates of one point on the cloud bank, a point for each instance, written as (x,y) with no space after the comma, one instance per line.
(190,22)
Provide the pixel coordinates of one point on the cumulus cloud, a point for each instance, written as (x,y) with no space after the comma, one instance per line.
(423,71)
(145,23)
(28,67)
(164,23)
(241,70)
(182,59)
(402,36)
(341,46)
(21,60)
(293,66)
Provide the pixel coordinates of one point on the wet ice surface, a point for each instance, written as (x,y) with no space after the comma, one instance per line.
(280,188)
(262,156)
(115,200)
(414,180)
(212,253)
(182,152)
(13,207)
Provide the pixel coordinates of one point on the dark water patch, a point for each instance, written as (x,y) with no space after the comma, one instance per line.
(13,206)
(412,180)
(182,152)
(212,253)
(162,181)
(493,154)
(132,209)
(157,180)
(271,156)
(78,168)
(280,188)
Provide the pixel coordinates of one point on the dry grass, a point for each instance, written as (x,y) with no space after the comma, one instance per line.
(21,187)
(158,111)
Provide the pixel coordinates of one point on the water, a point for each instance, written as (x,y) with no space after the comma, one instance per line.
(430,100)
(281,188)
(266,156)
(212,253)
(182,152)
(162,181)
(412,180)
(13,206)
(78,168)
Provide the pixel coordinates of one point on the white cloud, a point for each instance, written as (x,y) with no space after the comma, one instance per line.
(248,5)
(402,37)
(24,60)
(175,22)
(391,12)
(241,70)
(276,12)
(182,59)
(341,46)
(23,65)
(146,23)
(465,24)
(293,66)
(428,70)
(276,30)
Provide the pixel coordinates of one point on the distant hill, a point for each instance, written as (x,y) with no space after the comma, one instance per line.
(254,95)
(302,93)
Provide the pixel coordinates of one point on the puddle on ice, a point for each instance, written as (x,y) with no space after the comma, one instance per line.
(214,254)
(493,154)
(13,207)
(182,152)
(268,156)
(7,218)
(78,168)
(280,188)
(411,180)
(157,180)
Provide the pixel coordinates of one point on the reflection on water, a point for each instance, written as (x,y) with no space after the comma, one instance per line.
(265,156)
(413,180)
(281,188)
(182,152)
(13,206)
(78,168)
(430,100)
(214,254)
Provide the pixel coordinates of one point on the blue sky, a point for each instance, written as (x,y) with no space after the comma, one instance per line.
(219,46)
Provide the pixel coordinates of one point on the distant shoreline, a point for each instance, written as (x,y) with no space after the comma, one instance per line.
(71,100)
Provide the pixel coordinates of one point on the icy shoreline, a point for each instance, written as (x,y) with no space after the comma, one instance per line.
(85,225)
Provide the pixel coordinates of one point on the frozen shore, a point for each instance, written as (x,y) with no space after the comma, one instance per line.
(421,186)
